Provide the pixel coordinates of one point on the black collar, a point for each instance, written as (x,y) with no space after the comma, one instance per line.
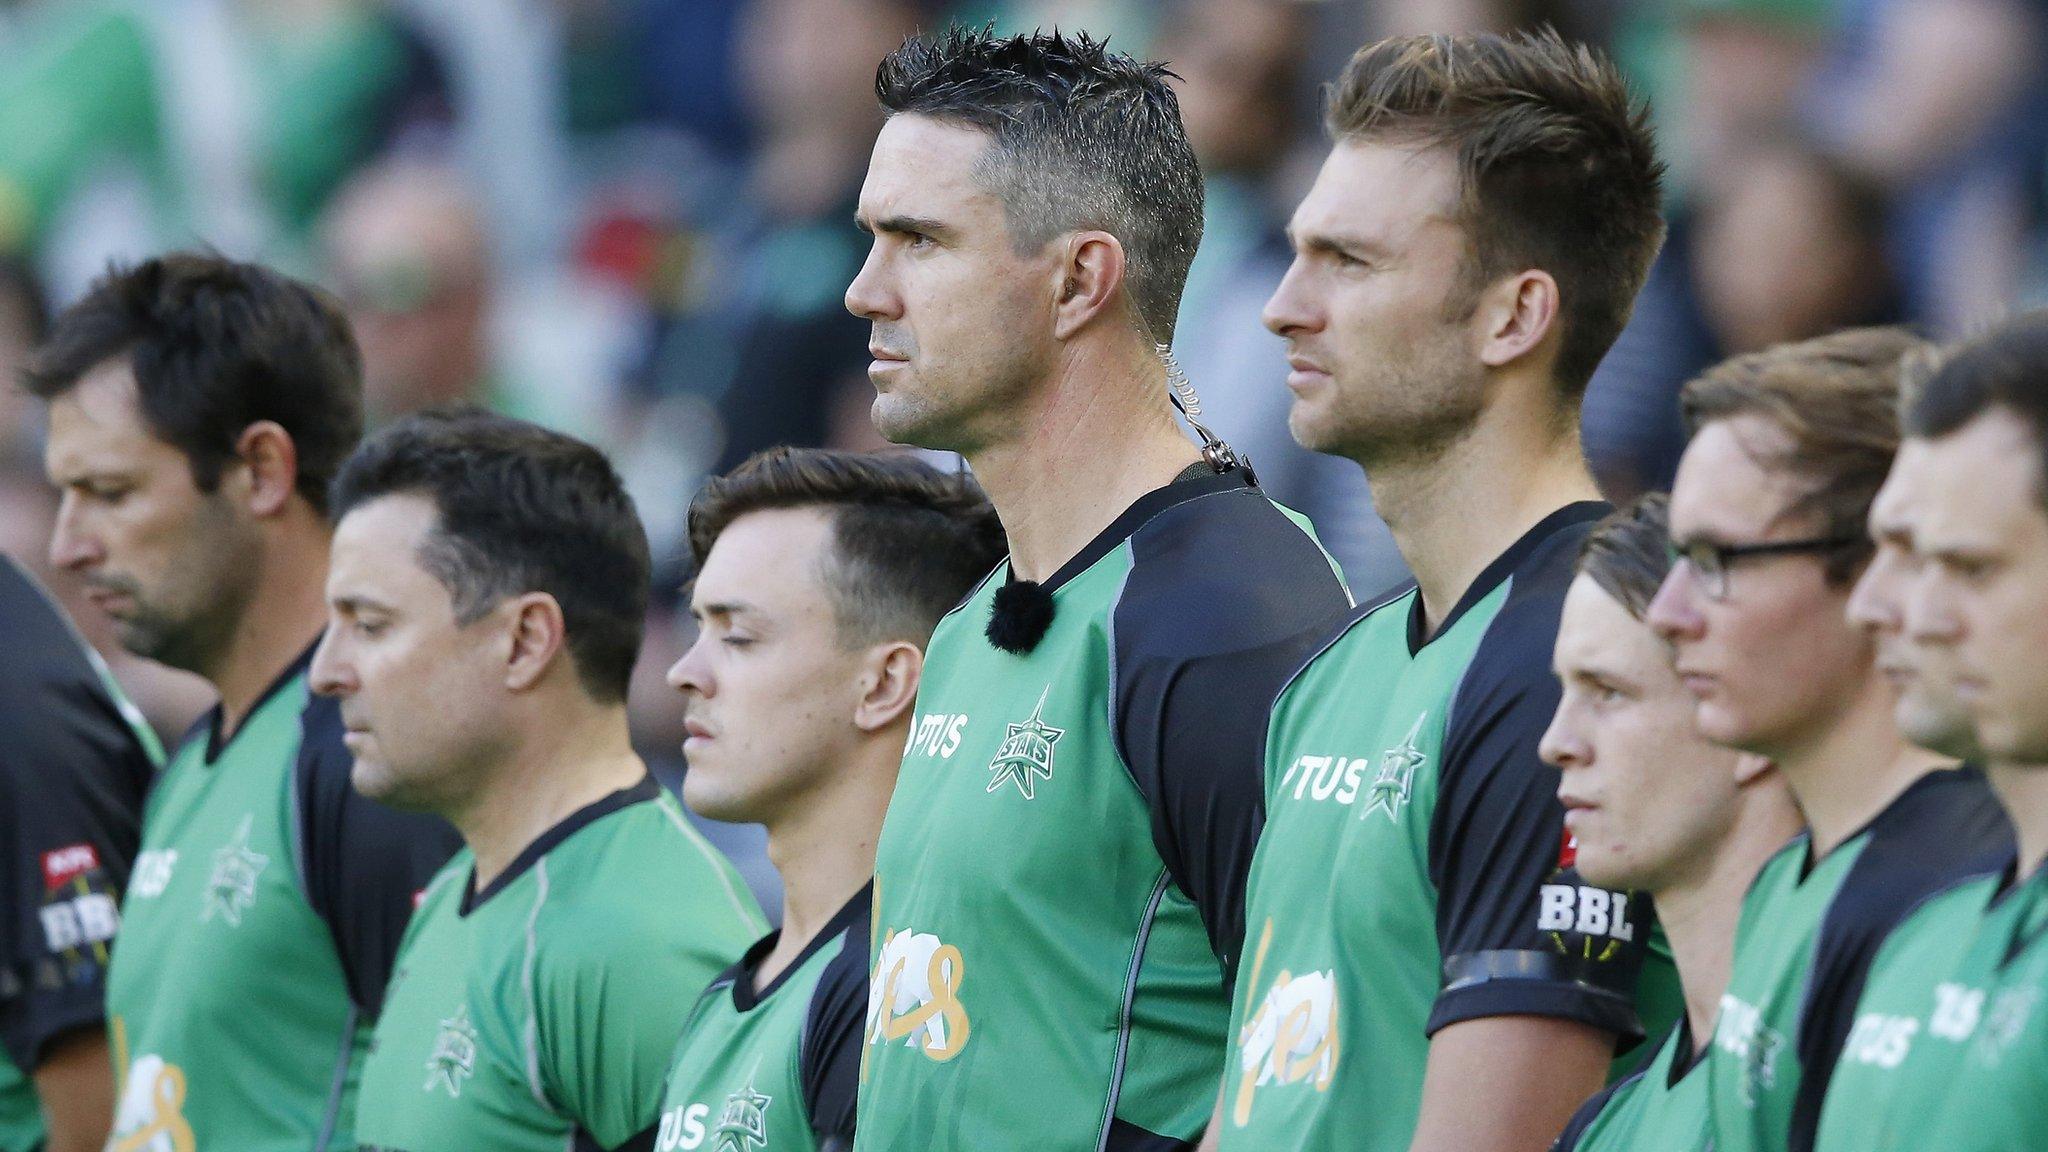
(549,840)
(745,999)
(216,742)
(1503,566)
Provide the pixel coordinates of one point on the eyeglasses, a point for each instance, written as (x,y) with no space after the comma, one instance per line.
(1710,561)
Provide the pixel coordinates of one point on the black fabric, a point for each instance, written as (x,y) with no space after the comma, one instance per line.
(365,864)
(646,789)
(1496,841)
(1946,827)
(829,1062)
(1126,1137)
(642,1141)
(1225,598)
(73,776)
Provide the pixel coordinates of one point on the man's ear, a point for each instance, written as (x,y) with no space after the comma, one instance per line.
(535,635)
(1091,276)
(888,684)
(1517,316)
(266,450)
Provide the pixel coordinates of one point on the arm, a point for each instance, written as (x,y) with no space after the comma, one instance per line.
(1507,1083)
(76,1084)
(830,1059)
(363,864)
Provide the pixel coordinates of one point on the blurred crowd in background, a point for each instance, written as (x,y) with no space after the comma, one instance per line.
(632,219)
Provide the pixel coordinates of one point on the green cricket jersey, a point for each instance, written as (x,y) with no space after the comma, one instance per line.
(1660,1109)
(74,767)
(1992,1014)
(540,1012)
(1058,889)
(1413,871)
(256,935)
(1804,944)
(1903,1048)
(775,1069)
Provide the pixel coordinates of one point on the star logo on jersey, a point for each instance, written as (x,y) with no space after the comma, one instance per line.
(743,1124)
(1395,779)
(454,1058)
(232,886)
(1026,754)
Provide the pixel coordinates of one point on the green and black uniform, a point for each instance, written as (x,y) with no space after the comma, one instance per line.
(1059,883)
(775,1069)
(1998,1029)
(540,1012)
(74,768)
(1414,871)
(1660,1109)
(1906,1042)
(257,935)
(1804,944)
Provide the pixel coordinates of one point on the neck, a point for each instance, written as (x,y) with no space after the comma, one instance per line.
(285,613)
(1848,769)
(824,848)
(1101,436)
(548,772)
(1699,914)
(1455,509)
(2023,790)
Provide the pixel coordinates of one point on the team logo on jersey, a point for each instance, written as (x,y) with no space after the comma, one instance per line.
(1395,779)
(152,873)
(743,1125)
(1742,1034)
(232,886)
(1580,919)
(1026,753)
(151,1117)
(2004,1022)
(454,1057)
(1292,1038)
(914,995)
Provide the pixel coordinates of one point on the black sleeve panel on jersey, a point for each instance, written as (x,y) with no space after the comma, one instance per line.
(1575,1128)
(642,1141)
(1226,597)
(362,863)
(1946,828)
(829,1062)
(73,776)
(1497,837)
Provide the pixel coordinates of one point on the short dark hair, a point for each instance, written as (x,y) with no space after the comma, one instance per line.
(909,542)
(217,345)
(520,509)
(1836,399)
(1082,138)
(2006,367)
(1628,553)
(1557,166)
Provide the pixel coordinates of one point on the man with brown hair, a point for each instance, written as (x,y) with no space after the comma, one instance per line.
(1422,968)
(820,578)
(1789,448)
(1652,805)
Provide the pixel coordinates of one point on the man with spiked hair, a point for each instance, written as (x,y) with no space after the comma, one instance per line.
(1059,882)
(1427,971)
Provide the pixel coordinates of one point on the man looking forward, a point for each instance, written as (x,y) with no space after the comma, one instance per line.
(1058,886)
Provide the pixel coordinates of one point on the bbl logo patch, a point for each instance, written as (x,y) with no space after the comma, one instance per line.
(743,1125)
(454,1058)
(232,887)
(1396,776)
(1026,753)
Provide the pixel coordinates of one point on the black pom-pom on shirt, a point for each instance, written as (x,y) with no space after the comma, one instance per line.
(1018,619)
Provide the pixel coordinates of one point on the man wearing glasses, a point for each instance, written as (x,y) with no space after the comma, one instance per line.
(1789,447)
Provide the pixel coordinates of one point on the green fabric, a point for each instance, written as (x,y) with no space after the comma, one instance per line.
(737,1077)
(1753,1077)
(1992,1088)
(230,1017)
(1329,1045)
(1902,1049)
(555,1005)
(1034,964)
(1650,1114)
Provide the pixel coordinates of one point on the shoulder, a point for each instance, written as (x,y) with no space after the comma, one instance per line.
(642,871)
(1944,830)
(1513,656)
